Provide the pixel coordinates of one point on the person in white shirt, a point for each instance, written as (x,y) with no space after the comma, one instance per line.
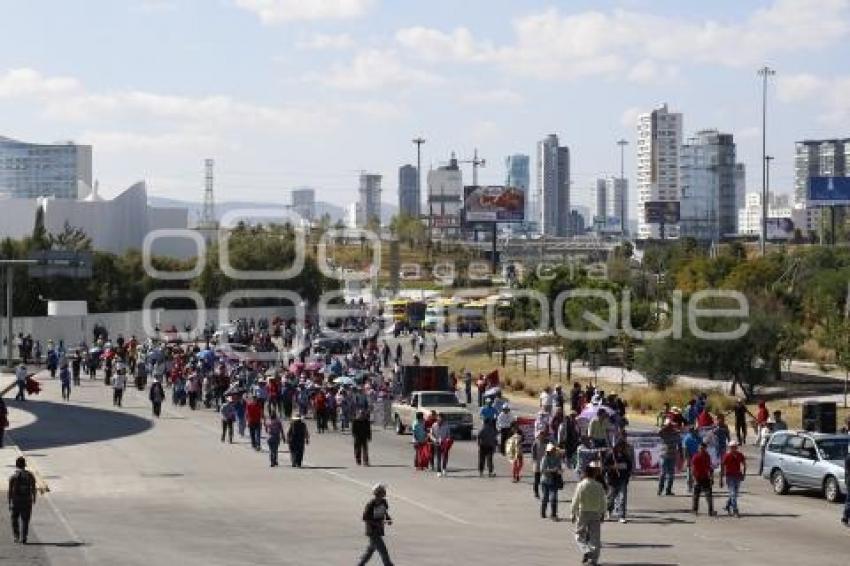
(441,439)
(21,382)
(504,424)
(118,385)
(546,400)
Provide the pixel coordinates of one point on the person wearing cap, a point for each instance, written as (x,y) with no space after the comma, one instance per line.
(703,478)
(618,466)
(587,511)
(552,480)
(671,451)
(297,436)
(488,412)
(21,497)
(504,424)
(375,516)
(734,468)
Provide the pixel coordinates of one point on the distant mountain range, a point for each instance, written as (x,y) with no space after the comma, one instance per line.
(221,208)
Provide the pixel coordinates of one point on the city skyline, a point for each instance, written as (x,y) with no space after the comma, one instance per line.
(357,79)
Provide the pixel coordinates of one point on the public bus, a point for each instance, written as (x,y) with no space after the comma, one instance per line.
(441,314)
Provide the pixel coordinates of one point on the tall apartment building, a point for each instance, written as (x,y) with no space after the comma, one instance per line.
(445,199)
(29,170)
(601,213)
(303,202)
(517,175)
(740,185)
(658,146)
(817,158)
(707,182)
(612,205)
(553,186)
(749,217)
(370,199)
(408,191)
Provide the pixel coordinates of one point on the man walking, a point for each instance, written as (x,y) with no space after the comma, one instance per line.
(274,429)
(588,509)
(21,497)
(702,474)
(361,432)
(375,515)
(297,437)
(671,449)
(254,417)
(487,442)
(21,382)
(734,468)
(619,464)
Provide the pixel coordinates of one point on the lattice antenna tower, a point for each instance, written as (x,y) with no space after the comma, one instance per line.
(208,212)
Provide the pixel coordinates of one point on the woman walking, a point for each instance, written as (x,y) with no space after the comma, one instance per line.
(65,381)
(514,452)
(156,396)
(297,437)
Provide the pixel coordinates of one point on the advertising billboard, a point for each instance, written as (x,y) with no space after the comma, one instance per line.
(607,225)
(828,191)
(661,212)
(780,229)
(494,204)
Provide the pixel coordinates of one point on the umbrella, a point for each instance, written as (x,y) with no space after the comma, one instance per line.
(314,366)
(344,380)
(296,367)
(591,411)
(493,392)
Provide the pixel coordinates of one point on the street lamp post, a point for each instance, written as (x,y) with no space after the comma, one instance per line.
(622,143)
(764,73)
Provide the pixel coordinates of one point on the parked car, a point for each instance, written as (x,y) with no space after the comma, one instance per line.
(807,460)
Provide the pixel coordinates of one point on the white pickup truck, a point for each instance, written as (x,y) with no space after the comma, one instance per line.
(445,402)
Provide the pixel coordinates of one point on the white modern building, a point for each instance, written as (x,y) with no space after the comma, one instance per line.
(29,170)
(611,205)
(658,145)
(749,217)
(817,158)
(445,199)
(707,183)
(115,225)
(303,203)
(370,199)
(354,216)
(553,186)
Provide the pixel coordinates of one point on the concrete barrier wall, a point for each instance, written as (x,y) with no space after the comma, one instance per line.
(74,329)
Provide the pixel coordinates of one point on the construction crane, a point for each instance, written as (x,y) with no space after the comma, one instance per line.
(476,163)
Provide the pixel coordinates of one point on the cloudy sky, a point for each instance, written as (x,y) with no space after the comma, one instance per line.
(308,92)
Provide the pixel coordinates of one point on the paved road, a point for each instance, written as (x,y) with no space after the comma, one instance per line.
(126,490)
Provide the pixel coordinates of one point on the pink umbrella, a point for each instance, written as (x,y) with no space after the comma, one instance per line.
(591,411)
(296,367)
(314,366)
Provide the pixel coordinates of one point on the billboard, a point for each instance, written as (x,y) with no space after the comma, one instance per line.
(828,191)
(494,204)
(661,212)
(780,229)
(607,225)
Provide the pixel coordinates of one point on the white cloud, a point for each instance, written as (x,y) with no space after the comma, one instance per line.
(629,117)
(30,83)
(648,71)
(555,45)
(830,93)
(165,143)
(491,96)
(281,11)
(374,69)
(323,41)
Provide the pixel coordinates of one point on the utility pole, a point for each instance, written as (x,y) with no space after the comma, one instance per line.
(419,141)
(765,206)
(765,72)
(623,143)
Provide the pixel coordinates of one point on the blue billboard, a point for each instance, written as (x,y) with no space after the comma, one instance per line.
(829,191)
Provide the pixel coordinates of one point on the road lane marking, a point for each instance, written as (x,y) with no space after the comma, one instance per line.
(399,497)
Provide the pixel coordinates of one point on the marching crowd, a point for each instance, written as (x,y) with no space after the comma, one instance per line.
(580,431)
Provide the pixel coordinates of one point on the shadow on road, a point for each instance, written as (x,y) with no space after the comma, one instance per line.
(635,545)
(58,424)
(66,544)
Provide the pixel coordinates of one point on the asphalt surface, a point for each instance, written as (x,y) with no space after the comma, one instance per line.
(127,490)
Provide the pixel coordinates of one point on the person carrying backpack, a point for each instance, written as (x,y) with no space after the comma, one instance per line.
(21,497)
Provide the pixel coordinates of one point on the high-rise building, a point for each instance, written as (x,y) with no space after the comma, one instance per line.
(370,200)
(749,217)
(601,215)
(303,202)
(709,203)
(817,158)
(553,186)
(445,199)
(740,185)
(29,170)
(517,175)
(408,191)
(612,205)
(658,145)
(577,222)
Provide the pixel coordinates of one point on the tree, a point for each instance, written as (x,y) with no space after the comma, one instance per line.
(70,239)
(837,337)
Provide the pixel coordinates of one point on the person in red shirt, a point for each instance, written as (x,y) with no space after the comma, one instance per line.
(734,468)
(703,478)
(704,418)
(254,417)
